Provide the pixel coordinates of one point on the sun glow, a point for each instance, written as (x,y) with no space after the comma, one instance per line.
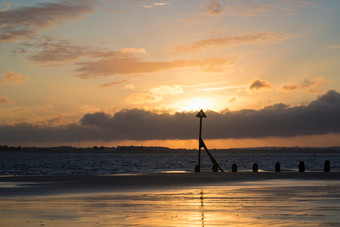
(195,104)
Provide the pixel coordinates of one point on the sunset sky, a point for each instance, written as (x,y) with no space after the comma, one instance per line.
(129,72)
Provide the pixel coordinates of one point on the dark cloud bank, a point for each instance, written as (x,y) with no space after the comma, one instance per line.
(319,117)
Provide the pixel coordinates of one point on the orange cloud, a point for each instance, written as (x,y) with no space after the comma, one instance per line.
(112,84)
(12,78)
(259,37)
(334,46)
(133,51)
(258,84)
(213,8)
(314,85)
(120,64)
(290,87)
(167,90)
(4,100)
(142,98)
(155,4)
(129,87)
(104,63)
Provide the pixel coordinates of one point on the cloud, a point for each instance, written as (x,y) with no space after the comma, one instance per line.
(155,4)
(290,87)
(12,78)
(314,85)
(213,8)
(53,52)
(4,100)
(143,98)
(115,83)
(258,84)
(249,9)
(129,87)
(106,63)
(252,8)
(118,64)
(233,99)
(167,90)
(334,46)
(321,116)
(25,22)
(133,51)
(229,41)
(5,6)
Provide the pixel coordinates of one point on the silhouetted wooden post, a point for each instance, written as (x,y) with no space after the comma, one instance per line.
(234,168)
(277,167)
(327,166)
(201,144)
(201,115)
(302,166)
(255,167)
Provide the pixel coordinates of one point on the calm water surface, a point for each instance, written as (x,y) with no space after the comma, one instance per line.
(65,163)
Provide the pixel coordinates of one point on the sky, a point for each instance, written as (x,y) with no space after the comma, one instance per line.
(129,72)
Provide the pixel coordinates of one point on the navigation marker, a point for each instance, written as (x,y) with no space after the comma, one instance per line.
(201,144)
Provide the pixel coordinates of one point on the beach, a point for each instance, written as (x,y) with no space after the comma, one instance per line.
(172,199)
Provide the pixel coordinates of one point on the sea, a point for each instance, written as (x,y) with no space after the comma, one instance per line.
(134,162)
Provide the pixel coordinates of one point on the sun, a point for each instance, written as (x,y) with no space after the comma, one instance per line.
(195,104)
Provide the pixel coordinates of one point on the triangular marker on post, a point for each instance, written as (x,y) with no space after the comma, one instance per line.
(201,114)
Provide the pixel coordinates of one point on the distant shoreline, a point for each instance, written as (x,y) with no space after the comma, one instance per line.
(102,149)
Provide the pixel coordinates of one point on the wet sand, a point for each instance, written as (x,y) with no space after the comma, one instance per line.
(172,199)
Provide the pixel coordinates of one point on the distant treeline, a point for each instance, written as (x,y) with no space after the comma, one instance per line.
(5,148)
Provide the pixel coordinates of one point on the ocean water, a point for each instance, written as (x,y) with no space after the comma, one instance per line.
(103,163)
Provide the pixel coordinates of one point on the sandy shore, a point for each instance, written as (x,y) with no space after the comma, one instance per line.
(49,185)
(172,199)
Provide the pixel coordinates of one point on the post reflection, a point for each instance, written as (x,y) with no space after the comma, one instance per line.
(202,207)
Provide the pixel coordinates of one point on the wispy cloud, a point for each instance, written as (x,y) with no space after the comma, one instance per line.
(213,8)
(314,85)
(143,98)
(229,41)
(223,88)
(92,62)
(118,64)
(290,87)
(12,78)
(334,46)
(25,22)
(252,8)
(111,84)
(51,52)
(155,4)
(5,100)
(133,51)
(167,90)
(129,87)
(5,6)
